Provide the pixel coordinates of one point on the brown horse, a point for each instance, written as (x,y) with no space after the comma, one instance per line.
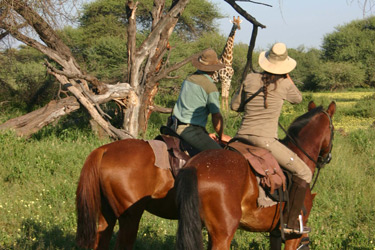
(218,188)
(119,181)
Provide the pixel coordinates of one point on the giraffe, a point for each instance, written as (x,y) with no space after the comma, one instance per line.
(225,74)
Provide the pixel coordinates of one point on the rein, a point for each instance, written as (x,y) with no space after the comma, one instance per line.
(319,164)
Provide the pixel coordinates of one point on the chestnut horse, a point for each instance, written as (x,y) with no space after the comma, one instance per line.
(218,188)
(119,181)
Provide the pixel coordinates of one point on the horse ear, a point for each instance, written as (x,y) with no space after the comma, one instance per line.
(311,105)
(331,108)
(313,195)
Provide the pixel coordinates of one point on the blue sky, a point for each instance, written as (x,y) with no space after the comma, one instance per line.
(294,22)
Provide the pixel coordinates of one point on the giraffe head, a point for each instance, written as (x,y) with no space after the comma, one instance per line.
(236,22)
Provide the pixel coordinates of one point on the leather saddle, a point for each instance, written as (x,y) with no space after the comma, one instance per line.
(272,178)
(179,151)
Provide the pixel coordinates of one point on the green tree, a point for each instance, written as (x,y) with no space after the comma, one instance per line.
(307,61)
(354,43)
(24,77)
(334,76)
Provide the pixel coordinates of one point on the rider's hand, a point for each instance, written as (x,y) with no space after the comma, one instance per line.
(214,137)
(225,138)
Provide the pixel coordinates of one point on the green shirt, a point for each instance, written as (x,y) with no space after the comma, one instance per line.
(198,98)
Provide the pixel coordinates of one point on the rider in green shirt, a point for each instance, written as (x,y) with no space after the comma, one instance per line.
(198,98)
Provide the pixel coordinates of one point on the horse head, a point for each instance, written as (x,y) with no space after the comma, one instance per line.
(325,155)
(311,135)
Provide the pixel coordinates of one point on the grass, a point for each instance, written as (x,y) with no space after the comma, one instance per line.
(38,178)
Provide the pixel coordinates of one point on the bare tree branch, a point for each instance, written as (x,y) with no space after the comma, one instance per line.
(165,72)
(162,110)
(101,87)
(243,13)
(265,4)
(249,62)
(44,30)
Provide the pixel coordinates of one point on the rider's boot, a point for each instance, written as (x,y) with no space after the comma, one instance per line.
(292,217)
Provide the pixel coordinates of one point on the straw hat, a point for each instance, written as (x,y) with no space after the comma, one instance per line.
(276,60)
(207,61)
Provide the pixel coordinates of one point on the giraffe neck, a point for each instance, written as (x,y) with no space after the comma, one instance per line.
(227,55)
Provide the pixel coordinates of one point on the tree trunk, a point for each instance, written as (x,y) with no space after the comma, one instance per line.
(31,123)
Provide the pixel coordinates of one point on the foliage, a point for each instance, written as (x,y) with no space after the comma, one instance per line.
(307,61)
(24,78)
(334,76)
(197,19)
(315,74)
(99,43)
(107,58)
(353,43)
(364,107)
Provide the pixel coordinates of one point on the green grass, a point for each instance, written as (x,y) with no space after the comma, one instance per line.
(38,179)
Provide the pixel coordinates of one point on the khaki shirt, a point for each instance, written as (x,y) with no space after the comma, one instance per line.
(258,120)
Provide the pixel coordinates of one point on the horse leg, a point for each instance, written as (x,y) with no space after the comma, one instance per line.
(220,238)
(275,239)
(106,223)
(129,223)
(221,220)
(293,244)
(105,230)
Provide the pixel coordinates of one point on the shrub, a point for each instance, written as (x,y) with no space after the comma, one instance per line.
(364,107)
(353,43)
(335,76)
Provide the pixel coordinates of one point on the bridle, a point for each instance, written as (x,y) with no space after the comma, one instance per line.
(321,161)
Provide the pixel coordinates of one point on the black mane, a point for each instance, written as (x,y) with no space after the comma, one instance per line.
(301,121)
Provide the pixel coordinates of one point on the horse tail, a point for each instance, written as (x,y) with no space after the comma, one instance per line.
(88,200)
(189,233)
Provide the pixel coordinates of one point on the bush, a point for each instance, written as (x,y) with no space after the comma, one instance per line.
(335,76)
(107,58)
(23,78)
(365,108)
(353,43)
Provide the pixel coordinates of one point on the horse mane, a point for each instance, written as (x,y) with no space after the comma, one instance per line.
(301,121)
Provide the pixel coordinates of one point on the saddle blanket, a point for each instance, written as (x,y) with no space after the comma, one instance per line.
(161,153)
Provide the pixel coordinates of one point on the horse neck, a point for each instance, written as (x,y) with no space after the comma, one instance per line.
(310,139)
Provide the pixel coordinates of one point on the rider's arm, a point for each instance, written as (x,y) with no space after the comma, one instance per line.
(293,95)
(218,124)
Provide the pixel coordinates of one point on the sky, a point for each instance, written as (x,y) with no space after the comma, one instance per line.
(293,22)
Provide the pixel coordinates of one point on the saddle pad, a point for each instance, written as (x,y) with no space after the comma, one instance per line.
(161,153)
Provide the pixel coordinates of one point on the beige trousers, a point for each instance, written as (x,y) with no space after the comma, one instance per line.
(284,156)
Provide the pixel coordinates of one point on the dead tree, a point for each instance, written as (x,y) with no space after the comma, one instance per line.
(145,66)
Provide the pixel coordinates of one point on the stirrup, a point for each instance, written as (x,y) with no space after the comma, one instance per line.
(302,229)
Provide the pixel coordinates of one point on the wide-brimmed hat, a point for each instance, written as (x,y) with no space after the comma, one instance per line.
(207,61)
(276,60)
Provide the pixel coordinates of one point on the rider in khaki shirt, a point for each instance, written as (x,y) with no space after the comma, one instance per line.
(260,122)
